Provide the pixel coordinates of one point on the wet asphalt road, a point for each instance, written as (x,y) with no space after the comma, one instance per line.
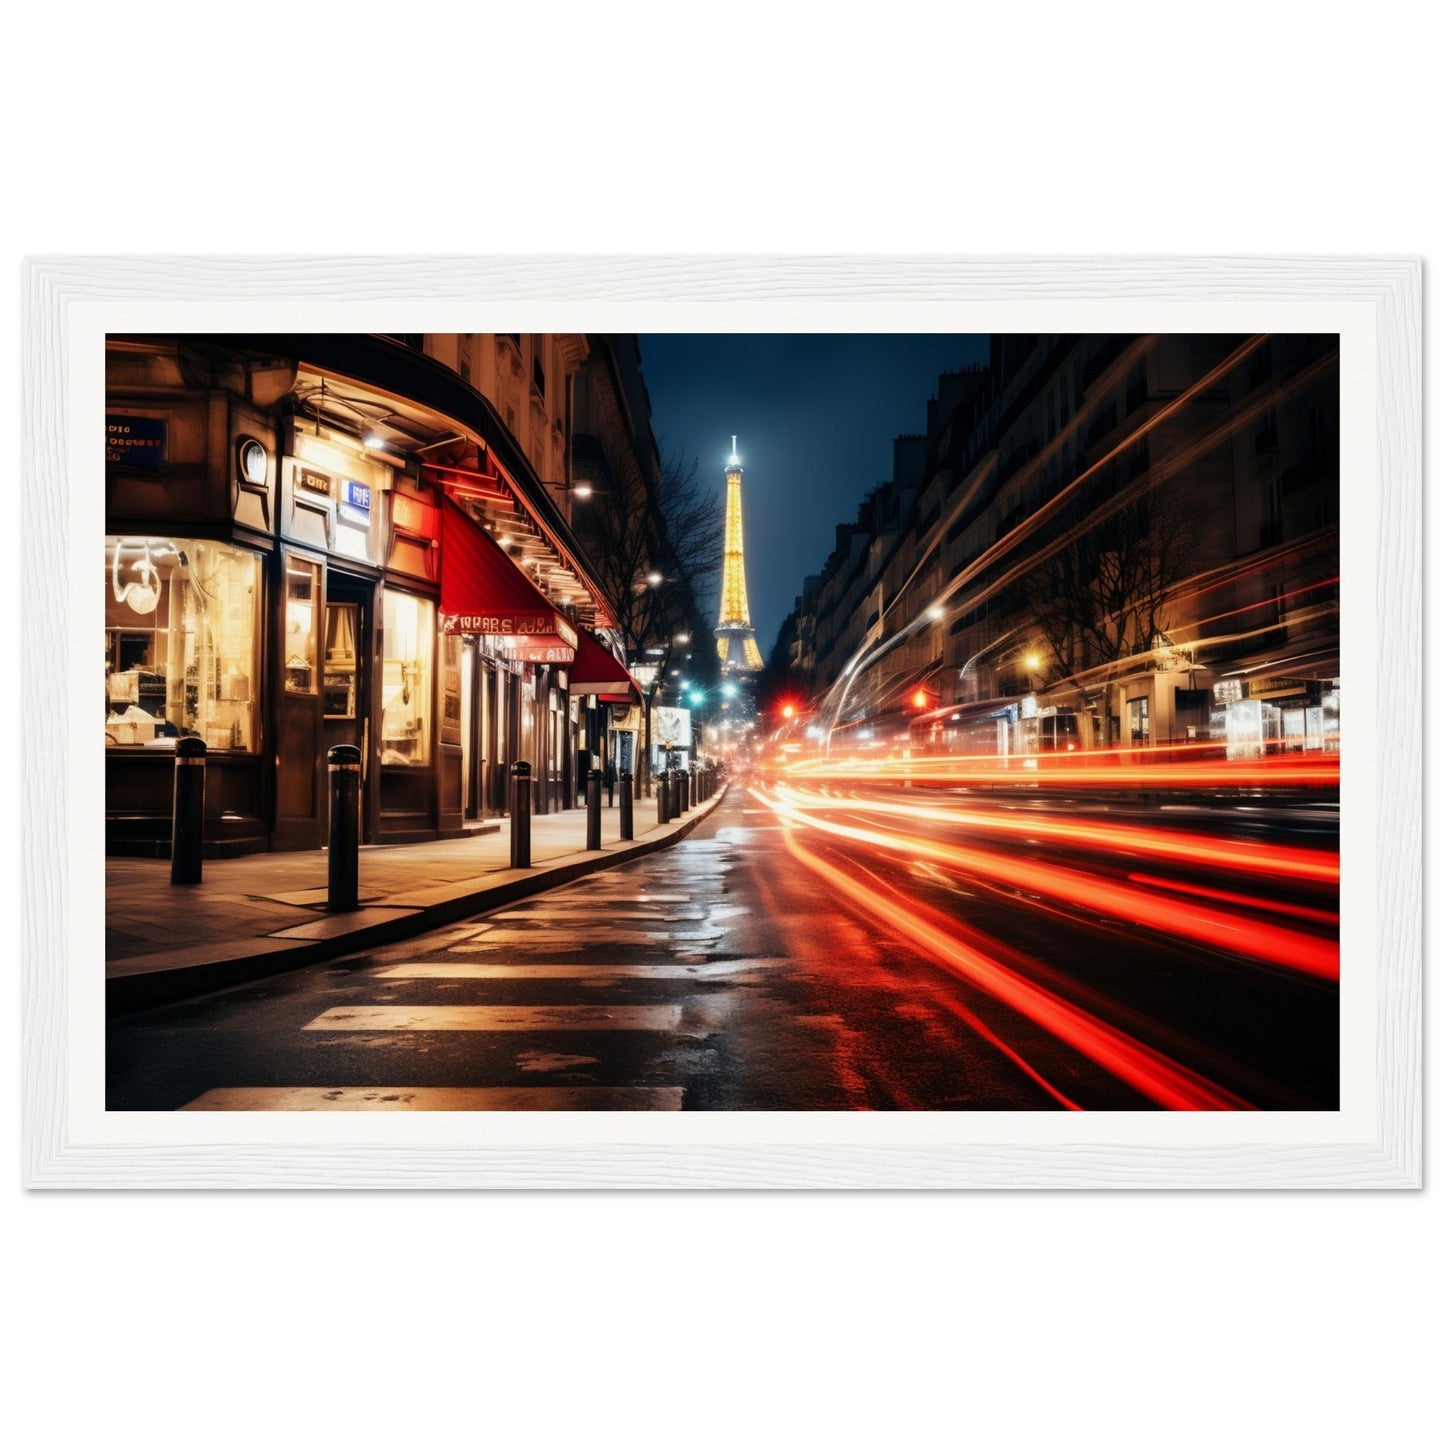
(721,974)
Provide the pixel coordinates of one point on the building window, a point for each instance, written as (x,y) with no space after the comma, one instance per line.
(409,630)
(1138,391)
(180,642)
(1266,434)
(1139,721)
(303,586)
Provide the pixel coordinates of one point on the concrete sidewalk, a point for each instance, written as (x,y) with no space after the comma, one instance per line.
(266,912)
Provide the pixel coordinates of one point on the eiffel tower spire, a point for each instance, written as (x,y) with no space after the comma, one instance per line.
(737,647)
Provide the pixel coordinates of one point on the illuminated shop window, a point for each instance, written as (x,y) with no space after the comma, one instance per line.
(1139,721)
(409,630)
(302,590)
(180,643)
(342,659)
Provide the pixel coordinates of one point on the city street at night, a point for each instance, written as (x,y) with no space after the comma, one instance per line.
(980,696)
(918,951)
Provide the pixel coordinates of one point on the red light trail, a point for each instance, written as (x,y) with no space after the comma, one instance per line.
(1165,1082)
(1194,766)
(1213,927)
(1237,855)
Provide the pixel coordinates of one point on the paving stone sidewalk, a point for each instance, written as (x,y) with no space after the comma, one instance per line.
(266,912)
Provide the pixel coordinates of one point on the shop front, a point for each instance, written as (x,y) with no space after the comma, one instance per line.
(1160,707)
(188,566)
(328,628)
(512,693)
(603,693)
(286,570)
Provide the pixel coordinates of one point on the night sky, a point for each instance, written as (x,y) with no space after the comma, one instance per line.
(815,417)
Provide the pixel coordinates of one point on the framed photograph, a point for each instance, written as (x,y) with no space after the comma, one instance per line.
(1106,707)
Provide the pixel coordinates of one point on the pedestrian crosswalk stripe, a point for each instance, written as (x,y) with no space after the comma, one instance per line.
(494,1019)
(442,969)
(372,1099)
(557,940)
(580,937)
(613,915)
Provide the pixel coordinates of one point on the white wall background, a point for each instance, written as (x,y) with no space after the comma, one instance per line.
(1070,129)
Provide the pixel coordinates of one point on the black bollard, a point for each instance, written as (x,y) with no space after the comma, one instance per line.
(624,807)
(343,767)
(664,805)
(188,809)
(681,785)
(521,815)
(594,809)
(692,786)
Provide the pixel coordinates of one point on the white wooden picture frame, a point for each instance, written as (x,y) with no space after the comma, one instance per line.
(1373,1141)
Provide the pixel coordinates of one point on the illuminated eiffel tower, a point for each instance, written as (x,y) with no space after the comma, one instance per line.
(737,647)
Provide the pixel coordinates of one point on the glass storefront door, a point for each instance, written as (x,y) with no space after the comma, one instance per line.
(346,683)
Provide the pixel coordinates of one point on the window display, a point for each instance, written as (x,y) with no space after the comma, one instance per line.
(409,630)
(341,660)
(302,588)
(181,623)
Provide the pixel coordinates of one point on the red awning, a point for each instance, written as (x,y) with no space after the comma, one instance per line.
(482,592)
(596,670)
